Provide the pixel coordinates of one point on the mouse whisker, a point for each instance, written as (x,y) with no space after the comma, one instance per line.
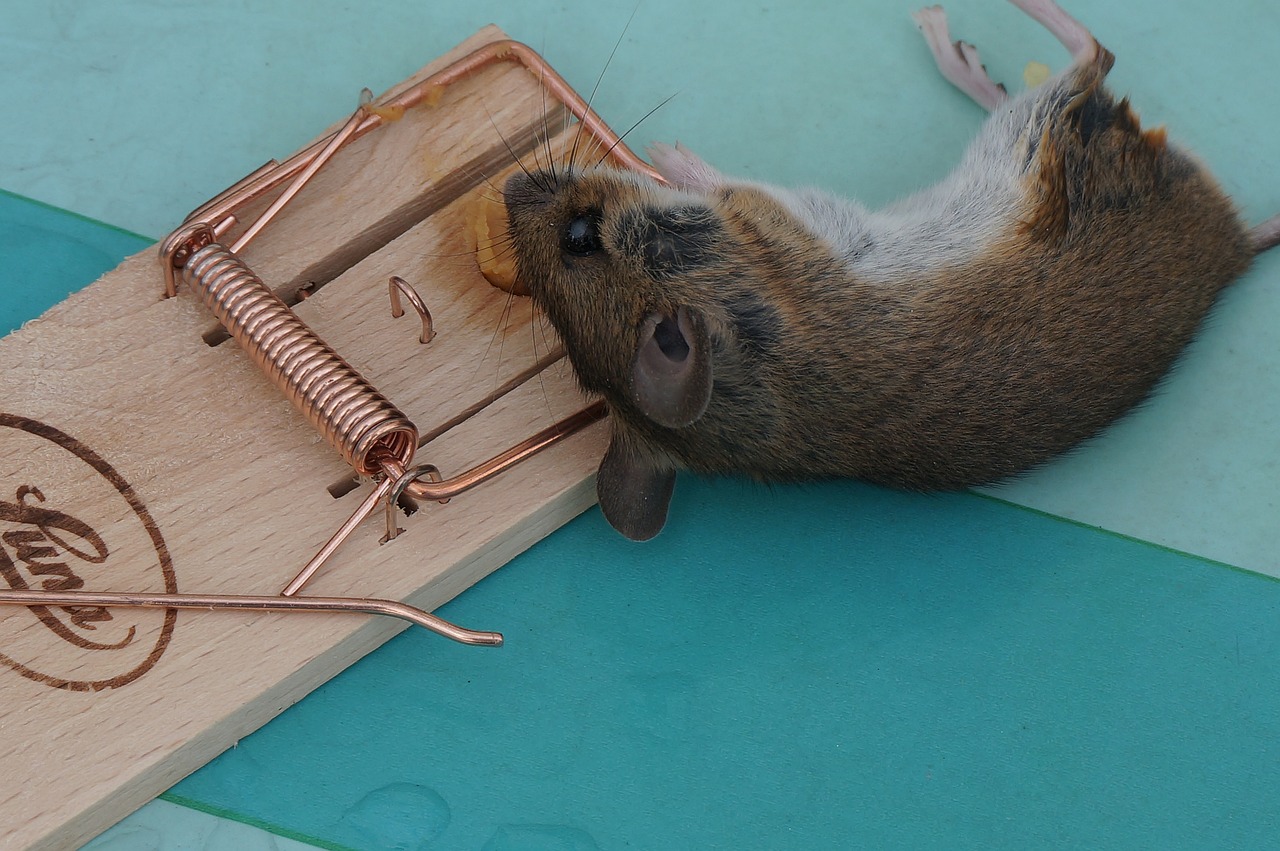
(592,97)
(506,250)
(484,178)
(546,129)
(500,337)
(493,197)
(506,143)
(458,255)
(624,135)
(542,324)
(542,384)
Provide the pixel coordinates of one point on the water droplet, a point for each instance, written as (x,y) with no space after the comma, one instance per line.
(397,817)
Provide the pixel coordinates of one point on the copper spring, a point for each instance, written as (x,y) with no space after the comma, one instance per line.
(347,410)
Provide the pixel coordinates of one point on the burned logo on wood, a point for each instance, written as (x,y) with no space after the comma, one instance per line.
(74,524)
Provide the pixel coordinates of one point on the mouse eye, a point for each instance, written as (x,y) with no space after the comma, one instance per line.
(581,235)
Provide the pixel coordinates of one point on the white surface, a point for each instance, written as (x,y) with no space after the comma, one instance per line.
(162,826)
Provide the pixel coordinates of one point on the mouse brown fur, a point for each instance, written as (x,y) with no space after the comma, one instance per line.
(963,336)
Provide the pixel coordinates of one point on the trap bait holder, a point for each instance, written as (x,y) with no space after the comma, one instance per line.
(367,430)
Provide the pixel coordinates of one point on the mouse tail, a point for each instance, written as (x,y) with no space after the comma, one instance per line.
(1266,235)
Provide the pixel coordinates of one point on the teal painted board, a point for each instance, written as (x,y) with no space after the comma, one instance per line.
(839,667)
(46,254)
(876,668)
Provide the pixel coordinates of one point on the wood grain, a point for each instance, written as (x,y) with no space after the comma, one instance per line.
(114,401)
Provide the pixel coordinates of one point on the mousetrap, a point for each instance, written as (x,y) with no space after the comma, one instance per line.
(170,462)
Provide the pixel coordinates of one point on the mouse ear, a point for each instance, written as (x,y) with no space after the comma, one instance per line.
(683,168)
(671,373)
(633,496)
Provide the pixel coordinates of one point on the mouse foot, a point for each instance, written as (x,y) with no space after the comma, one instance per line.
(958,60)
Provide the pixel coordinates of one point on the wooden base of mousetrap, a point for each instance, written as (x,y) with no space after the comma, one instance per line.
(143,452)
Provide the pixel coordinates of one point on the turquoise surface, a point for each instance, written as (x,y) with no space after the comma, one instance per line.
(47,254)
(835,666)
(797,667)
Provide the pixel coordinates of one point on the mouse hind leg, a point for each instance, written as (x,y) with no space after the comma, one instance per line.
(958,60)
(961,66)
(1074,36)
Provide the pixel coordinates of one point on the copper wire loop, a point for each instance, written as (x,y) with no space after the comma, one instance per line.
(347,410)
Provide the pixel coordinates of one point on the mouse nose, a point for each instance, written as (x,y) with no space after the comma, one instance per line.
(526,190)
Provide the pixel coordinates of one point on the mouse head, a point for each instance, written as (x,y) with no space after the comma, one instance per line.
(621,265)
(659,296)
(616,261)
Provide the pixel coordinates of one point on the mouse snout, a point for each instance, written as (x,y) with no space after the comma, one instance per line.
(527,190)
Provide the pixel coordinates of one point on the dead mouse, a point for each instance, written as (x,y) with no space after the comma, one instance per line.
(958,337)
